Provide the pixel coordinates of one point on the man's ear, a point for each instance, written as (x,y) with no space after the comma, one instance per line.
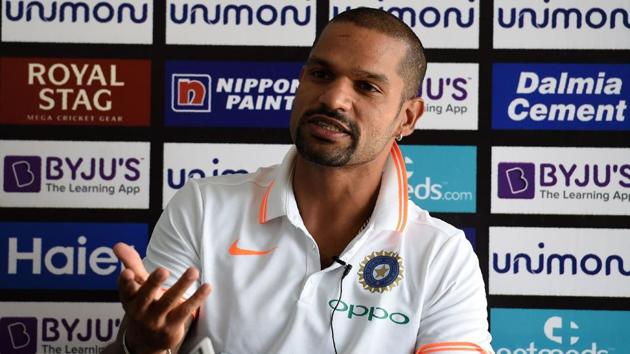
(413,109)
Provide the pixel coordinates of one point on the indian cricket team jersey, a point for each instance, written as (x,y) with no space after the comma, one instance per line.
(415,280)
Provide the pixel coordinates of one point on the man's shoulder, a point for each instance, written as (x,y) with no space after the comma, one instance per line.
(420,219)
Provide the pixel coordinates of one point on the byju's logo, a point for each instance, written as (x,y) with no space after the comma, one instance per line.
(18,335)
(191,92)
(22,174)
(517,180)
(556,332)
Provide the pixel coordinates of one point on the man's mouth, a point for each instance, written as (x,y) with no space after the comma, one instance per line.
(329,124)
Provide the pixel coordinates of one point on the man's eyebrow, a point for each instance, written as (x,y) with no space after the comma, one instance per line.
(313,60)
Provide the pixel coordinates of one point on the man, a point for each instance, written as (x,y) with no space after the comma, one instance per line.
(268,242)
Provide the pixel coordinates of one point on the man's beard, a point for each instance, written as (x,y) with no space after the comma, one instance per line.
(339,157)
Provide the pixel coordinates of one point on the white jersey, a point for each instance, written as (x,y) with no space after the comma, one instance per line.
(415,280)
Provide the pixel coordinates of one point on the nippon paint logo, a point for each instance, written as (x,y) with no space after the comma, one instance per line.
(439,24)
(560,96)
(451,97)
(58,327)
(183,161)
(230,94)
(241,22)
(64,255)
(561,24)
(442,178)
(550,180)
(72,174)
(75,91)
(559,261)
(115,21)
(559,331)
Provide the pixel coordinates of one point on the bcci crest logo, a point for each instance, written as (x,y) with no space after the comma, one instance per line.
(381,271)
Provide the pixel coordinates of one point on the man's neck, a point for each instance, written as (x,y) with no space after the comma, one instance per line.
(336,202)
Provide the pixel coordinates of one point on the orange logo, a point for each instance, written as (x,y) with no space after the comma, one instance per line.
(237,251)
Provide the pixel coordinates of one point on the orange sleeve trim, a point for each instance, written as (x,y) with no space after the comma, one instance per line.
(401,173)
(262,215)
(450,346)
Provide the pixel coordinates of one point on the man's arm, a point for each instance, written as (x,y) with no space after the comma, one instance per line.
(155,319)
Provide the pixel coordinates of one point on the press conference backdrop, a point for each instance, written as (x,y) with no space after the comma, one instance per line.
(108,107)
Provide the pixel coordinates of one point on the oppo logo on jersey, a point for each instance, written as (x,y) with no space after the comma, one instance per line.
(371,312)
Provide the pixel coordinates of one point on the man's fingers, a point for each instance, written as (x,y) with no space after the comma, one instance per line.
(127,286)
(150,290)
(131,259)
(180,313)
(172,297)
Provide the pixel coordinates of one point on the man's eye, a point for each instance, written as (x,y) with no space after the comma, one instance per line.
(367,87)
(319,74)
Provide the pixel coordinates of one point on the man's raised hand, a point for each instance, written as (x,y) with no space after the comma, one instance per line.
(156,318)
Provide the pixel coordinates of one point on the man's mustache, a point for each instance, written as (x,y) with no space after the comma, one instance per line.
(330,113)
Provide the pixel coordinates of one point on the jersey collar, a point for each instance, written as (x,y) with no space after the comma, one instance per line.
(390,211)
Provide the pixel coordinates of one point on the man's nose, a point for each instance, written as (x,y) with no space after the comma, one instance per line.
(338,95)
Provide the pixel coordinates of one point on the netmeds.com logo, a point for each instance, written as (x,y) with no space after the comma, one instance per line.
(559,331)
(442,178)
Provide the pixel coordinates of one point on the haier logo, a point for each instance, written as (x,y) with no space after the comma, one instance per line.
(450,93)
(561,180)
(184,161)
(46,327)
(443,24)
(22,174)
(77,22)
(559,331)
(548,23)
(66,173)
(64,255)
(559,261)
(191,93)
(244,22)
(442,178)
(560,96)
(231,94)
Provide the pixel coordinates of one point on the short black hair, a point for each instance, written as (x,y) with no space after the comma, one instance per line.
(413,66)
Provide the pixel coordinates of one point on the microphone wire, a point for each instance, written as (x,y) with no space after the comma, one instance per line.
(346,271)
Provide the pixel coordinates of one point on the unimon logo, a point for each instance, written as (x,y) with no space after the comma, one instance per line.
(241,22)
(442,178)
(77,21)
(456,20)
(64,255)
(231,94)
(517,180)
(22,174)
(558,331)
(18,335)
(545,23)
(183,161)
(559,261)
(191,93)
(560,96)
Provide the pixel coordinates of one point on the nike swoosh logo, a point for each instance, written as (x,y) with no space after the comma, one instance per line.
(237,251)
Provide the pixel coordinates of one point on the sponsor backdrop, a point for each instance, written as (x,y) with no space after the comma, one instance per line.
(108,107)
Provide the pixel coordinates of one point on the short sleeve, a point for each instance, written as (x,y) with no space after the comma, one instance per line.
(176,238)
(455,309)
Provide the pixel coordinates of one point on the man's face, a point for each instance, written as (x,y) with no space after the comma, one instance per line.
(347,108)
